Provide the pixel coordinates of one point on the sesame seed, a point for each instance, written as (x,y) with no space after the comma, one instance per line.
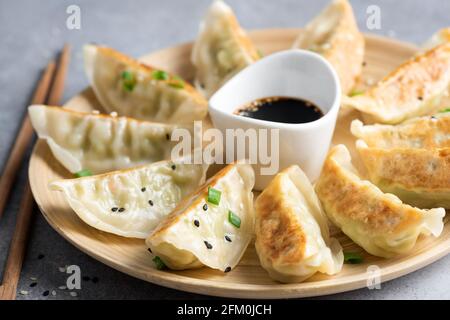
(143,189)
(420,98)
(40,256)
(114,209)
(73,294)
(150,250)
(62,269)
(228,238)
(197,223)
(205,207)
(364,64)
(228,269)
(167,136)
(121,209)
(62,287)
(33,284)
(33,278)
(45,293)
(150,202)
(113,114)
(208,245)
(95,112)
(23,292)
(174,167)
(53,292)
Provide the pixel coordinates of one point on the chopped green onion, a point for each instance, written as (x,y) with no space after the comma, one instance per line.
(160,75)
(176,82)
(445,110)
(83,173)
(160,265)
(260,53)
(214,196)
(356,93)
(234,219)
(352,257)
(129,80)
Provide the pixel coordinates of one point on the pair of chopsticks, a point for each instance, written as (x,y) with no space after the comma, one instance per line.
(48,91)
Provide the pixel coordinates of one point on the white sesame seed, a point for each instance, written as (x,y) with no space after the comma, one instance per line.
(73,294)
(113,114)
(33,278)
(62,269)
(95,112)
(53,293)
(23,292)
(62,287)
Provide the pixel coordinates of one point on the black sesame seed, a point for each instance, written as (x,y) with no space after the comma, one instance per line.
(95,279)
(205,207)
(228,269)
(420,98)
(46,293)
(167,136)
(174,167)
(121,209)
(114,209)
(228,238)
(33,284)
(364,64)
(197,223)
(86,278)
(143,189)
(40,256)
(150,202)
(208,245)
(433,117)
(150,250)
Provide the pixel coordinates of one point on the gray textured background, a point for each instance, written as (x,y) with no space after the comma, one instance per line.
(31,32)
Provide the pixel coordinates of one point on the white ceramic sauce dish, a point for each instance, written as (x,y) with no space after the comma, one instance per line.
(296,74)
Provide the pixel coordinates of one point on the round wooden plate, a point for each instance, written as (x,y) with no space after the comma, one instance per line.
(248,279)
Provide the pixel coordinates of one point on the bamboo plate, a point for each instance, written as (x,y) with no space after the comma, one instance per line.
(248,279)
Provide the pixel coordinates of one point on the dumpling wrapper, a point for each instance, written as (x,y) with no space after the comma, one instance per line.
(334,34)
(147,194)
(419,177)
(132,89)
(378,222)
(438,38)
(221,50)
(100,143)
(423,132)
(415,88)
(183,245)
(292,236)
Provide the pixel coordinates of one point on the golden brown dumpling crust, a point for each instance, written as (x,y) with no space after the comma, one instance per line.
(278,229)
(354,199)
(411,168)
(413,89)
(424,132)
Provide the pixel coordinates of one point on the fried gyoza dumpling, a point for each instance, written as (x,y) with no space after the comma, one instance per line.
(132,89)
(411,160)
(424,132)
(131,202)
(221,49)
(438,38)
(335,35)
(100,143)
(379,222)
(419,177)
(413,89)
(292,236)
(212,227)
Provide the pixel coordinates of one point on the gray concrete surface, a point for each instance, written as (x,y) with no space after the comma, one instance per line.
(31,32)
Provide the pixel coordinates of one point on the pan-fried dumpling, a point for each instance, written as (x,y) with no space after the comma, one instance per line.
(424,132)
(419,177)
(379,222)
(221,49)
(131,202)
(292,236)
(413,89)
(212,227)
(438,38)
(100,143)
(132,89)
(335,35)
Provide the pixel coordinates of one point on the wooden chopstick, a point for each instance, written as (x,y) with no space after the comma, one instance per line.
(23,139)
(19,241)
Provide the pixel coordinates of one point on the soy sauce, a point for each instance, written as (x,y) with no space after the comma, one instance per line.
(281,109)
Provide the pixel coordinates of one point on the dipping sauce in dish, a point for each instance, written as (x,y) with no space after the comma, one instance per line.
(281,109)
